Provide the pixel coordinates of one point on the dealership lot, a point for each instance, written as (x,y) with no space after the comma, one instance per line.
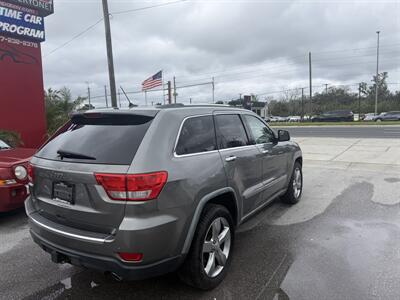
(340,242)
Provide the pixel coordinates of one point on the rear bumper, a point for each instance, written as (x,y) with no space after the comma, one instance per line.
(60,254)
(12,197)
(156,238)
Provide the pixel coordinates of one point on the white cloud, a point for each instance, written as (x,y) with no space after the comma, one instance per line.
(262,45)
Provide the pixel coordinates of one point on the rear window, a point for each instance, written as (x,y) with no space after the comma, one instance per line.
(99,139)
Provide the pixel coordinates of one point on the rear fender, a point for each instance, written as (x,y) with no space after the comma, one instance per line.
(196,217)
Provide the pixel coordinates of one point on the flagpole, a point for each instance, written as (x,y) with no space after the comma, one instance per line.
(162,80)
(145,97)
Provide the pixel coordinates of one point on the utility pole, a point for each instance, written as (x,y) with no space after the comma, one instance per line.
(302,104)
(105,94)
(310,81)
(213,90)
(109,54)
(190,100)
(175,94)
(377,76)
(326,88)
(88,92)
(169,93)
(359,102)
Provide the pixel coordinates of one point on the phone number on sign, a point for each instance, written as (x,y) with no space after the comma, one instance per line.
(18,42)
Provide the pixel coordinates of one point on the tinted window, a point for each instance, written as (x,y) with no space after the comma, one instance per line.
(259,131)
(197,135)
(230,131)
(106,139)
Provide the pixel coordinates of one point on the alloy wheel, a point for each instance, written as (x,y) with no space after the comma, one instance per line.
(297,183)
(216,247)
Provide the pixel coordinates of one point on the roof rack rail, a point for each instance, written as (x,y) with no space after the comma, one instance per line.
(170,105)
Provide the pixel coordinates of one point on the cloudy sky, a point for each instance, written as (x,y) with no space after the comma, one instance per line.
(253,46)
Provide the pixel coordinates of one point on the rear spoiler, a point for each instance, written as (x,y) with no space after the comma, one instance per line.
(111,118)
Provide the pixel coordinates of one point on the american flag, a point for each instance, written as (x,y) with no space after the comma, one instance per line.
(152,81)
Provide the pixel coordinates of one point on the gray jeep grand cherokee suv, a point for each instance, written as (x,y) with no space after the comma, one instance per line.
(142,192)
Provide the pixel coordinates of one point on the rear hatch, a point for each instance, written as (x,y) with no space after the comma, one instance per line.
(65,186)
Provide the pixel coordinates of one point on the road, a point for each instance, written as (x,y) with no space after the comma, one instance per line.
(366,131)
(340,242)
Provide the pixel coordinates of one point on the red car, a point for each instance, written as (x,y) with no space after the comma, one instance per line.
(13,176)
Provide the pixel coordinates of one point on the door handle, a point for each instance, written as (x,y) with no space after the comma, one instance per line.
(230,158)
(264,151)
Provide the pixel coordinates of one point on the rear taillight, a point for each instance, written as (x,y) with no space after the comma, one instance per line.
(31,173)
(135,187)
(145,186)
(114,184)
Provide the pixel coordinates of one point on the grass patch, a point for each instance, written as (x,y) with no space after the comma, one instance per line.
(355,123)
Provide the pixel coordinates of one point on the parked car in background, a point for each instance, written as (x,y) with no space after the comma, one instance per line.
(294,118)
(278,119)
(334,116)
(388,116)
(13,176)
(273,119)
(369,117)
(135,211)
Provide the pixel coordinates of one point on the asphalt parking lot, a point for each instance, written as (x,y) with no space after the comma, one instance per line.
(341,241)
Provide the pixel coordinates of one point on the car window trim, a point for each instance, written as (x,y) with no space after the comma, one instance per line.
(179,134)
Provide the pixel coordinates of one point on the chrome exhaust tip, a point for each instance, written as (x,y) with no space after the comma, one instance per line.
(116,277)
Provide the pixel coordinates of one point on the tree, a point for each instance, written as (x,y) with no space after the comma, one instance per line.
(59,105)
(254,98)
(383,91)
(11,138)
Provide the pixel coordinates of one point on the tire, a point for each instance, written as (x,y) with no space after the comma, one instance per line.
(194,270)
(378,120)
(295,188)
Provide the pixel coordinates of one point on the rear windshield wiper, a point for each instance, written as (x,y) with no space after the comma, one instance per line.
(68,154)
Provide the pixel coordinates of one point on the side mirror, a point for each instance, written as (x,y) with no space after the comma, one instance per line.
(283,136)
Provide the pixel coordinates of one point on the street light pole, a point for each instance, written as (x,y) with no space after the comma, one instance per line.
(310,80)
(110,55)
(359,102)
(88,91)
(377,75)
(302,104)
(213,90)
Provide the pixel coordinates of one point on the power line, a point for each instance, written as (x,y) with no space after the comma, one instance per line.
(147,7)
(355,49)
(277,66)
(355,56)
(74,37)
(100,20)
(266,72)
